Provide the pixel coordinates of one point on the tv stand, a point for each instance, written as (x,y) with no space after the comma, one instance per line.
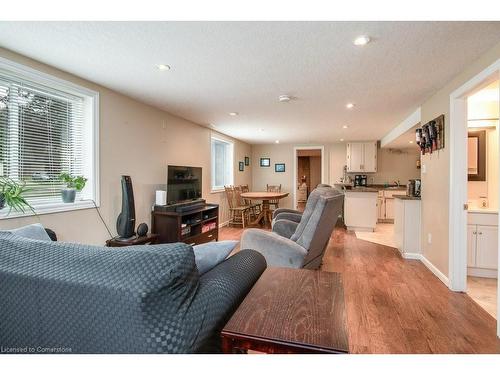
(194,225)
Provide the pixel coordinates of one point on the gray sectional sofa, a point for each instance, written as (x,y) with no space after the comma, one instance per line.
(70,298)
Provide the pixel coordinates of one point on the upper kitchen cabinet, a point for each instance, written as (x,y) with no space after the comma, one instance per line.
(362,157)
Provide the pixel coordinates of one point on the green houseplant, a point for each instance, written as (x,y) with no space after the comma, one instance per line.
(12,195)
(73,184)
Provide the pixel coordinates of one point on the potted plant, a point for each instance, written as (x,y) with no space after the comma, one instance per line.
(73,184)
(12,195)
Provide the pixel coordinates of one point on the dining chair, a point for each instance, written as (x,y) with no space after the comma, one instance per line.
(274,189)
(238,213)
(255,208)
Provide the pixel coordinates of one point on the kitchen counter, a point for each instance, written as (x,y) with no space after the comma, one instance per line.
(406,197)
(476,210)
(371,188)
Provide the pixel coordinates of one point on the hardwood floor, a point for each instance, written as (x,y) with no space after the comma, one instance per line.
(398,306)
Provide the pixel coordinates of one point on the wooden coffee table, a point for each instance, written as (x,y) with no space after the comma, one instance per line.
(290,311)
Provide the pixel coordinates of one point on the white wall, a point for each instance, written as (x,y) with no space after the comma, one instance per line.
(138,140)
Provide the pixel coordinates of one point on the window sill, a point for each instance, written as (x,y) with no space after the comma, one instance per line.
(47,209)
(217,191)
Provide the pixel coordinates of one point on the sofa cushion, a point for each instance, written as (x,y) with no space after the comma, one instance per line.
(32,231)
(210,254)
(111,300)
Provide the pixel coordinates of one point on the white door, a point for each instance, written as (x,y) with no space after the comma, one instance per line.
(355,156)
(471,245)
(389,208)
(370,157)
(487,247)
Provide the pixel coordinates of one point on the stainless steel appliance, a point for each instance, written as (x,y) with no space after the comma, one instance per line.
(413,188)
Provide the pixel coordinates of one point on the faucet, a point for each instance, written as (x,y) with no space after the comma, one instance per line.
(397,182)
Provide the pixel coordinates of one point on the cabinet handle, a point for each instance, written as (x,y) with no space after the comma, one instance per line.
(192,244)
(474,232)
(480,232)
(210,236)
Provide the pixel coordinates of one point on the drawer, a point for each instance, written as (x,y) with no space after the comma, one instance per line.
(211,235)
(482,219)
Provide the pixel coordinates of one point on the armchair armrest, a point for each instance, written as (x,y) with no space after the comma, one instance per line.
(282,210)
(292,216)
(221,291)
(278,251)
(285,228)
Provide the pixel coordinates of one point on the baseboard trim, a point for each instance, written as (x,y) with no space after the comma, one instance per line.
(441,276)
(224,224)
(482,272)
(415,256)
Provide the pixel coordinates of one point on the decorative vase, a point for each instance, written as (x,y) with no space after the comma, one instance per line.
(68,195)
(2,201)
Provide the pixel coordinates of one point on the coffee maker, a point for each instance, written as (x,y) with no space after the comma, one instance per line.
(360,180)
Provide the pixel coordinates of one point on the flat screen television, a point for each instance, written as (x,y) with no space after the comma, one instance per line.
(183,184)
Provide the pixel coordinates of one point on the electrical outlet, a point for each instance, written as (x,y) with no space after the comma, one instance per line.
(429,238)
(424,169)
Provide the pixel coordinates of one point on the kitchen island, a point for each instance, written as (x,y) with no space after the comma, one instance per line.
(360,208)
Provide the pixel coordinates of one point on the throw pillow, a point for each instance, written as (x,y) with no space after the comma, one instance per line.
(210,254)
(33,232)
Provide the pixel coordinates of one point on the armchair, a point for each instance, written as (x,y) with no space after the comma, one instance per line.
(299,245)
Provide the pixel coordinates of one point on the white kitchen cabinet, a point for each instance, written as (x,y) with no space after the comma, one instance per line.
(389,208)
(362,157)
(482,245)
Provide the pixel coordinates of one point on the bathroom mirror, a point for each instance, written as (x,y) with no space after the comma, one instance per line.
(476,151)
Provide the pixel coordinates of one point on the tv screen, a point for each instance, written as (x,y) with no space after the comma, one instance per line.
(183,184)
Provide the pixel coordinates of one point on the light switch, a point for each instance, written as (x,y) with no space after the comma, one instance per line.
(424,168)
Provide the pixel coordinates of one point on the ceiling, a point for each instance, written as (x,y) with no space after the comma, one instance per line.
(403,141)
(222,67)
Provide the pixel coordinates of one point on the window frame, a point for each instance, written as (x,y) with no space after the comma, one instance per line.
(91,110)
(218,189)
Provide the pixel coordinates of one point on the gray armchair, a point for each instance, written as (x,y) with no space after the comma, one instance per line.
(302,244)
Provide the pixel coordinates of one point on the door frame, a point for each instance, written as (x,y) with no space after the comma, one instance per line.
(297,148)
(457,248)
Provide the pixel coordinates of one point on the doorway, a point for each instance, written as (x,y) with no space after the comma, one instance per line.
(482,196)
(308,172)
(464,233)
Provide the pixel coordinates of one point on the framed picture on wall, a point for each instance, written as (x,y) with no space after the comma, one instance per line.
(241,166)
(265,162)
(247,161)
(279,167)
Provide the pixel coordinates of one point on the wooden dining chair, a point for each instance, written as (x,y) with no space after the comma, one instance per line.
(274,189)
(255,208)
(238,213)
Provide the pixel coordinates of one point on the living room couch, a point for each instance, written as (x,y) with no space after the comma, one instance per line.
(74,298)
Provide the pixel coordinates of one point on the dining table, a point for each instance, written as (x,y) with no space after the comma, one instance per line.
(266,215)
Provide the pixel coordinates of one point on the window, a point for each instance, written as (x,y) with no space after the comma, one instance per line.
(47,126)
(222,163)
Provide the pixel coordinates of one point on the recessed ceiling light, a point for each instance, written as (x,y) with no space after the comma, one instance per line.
(284,98)
(277,141)
(233,113)
(163,67)
(344,127)
(341,139)
(350,105)
(361,40)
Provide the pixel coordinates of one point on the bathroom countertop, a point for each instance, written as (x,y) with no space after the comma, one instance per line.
(477,210)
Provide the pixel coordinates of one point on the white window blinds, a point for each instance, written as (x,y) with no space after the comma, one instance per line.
(43,132)
(222,163)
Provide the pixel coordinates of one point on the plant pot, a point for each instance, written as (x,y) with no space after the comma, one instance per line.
(2,201)
(68,195)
